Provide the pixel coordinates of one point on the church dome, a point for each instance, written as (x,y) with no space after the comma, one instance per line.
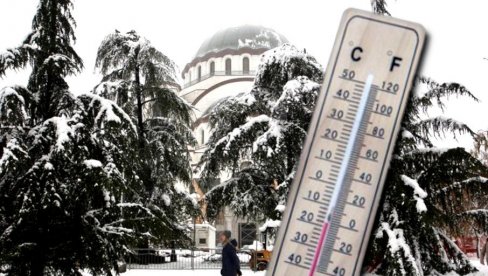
(245,39)
(246,36)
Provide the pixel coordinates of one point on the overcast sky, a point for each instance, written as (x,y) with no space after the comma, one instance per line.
(458,39)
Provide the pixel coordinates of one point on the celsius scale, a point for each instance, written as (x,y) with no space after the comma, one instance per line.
(338,185)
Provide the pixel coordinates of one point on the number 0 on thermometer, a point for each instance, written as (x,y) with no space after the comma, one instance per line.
(334,197)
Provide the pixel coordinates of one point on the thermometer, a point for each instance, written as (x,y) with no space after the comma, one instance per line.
(338,185)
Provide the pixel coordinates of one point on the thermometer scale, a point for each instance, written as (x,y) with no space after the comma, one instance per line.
(336,191)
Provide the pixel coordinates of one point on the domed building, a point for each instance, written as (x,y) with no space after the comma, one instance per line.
(224,66)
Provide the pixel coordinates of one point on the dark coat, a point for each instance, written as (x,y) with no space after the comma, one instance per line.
(230,262)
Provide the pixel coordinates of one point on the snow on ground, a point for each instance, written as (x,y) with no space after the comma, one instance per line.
(201,272)
(483,271)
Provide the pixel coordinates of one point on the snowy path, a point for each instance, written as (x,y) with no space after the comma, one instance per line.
(483,271)
(202,272)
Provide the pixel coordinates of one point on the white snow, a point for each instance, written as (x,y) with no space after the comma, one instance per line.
(201,272)
(270,224)
(407,134)
(274,131)
(255,245)
(483,271)
(293,88)
(107,110)
(237,132)
(434,150)
(9,92)
(396,242)
(92,163)
(48,166)
(166,199)
(419,193)
(8,154)
(282,55)
(462,183)
(280,208)
(63,130)
(247,99)
(56,58)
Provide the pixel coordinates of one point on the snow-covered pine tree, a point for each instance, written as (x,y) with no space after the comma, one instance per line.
(427,193)
(70,193)
(266,125)
(431,194)
(144,82)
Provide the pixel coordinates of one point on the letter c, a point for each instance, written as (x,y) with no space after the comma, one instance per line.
(354,55)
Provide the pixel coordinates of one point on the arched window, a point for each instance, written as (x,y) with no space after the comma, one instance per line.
(212,68)
(228,67)
(199,73)
(245,66)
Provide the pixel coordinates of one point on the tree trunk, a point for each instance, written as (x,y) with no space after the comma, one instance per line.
(46,90)
(478,243)
(201,201)
(139,111)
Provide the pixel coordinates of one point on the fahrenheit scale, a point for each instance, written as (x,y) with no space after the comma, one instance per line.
(343,166)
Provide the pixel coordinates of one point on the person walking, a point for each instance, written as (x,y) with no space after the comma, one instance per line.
(484,253)
(230,262)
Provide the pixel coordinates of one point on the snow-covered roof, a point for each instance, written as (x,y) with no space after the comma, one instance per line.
(245,36)
(251,39)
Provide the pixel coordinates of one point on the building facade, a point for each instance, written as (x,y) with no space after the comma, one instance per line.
(224,66)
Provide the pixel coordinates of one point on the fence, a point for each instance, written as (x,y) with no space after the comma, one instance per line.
(210,258)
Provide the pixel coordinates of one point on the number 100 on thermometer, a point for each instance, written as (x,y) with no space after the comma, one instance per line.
(335,195)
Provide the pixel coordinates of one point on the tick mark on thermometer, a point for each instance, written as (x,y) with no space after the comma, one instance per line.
(355,132)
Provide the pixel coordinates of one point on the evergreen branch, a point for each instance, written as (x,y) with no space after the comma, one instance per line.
(437,91)
(440,125)
(14,59)
(460,185)
(379,7)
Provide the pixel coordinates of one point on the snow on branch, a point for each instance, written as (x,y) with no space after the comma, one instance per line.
(92,163)
(436,126)
(460,184)
(9,155)
(295,89)
(116,230)
(13,59)
(437,90)
(397,243)
(237,132)
(8,107)
(63,130)
(436,151)
(61,61)
(108,111)
(419,193)
(136,206)
(283,55)
(274,131)
(477,212)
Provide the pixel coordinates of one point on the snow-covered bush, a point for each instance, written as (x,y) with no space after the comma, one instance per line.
(266,125)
